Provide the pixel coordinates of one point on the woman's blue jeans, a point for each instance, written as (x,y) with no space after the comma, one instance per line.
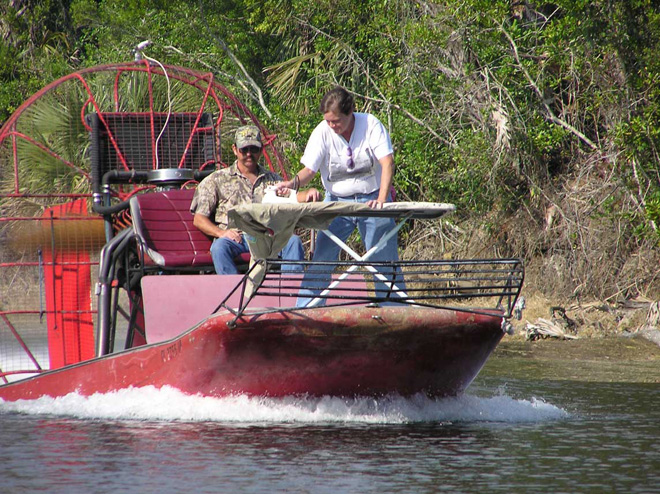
(224,251)
(371,230)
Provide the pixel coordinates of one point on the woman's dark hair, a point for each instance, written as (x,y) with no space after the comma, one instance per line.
(337,99)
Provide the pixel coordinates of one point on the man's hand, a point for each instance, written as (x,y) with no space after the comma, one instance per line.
(234,235)
(212,230)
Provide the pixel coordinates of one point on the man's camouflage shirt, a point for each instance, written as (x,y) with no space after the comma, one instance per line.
(227,188)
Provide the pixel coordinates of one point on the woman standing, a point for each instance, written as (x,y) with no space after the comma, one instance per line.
(353,152)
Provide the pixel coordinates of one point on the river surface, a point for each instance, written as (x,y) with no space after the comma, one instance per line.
(506,434)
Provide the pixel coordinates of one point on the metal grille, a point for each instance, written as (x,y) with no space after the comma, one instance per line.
(126,141)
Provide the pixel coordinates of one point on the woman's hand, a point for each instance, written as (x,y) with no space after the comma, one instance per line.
(309,195)
(375,204)
(281,188)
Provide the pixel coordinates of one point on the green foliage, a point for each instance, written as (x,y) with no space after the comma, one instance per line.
(488,102)
(653,209)
(33,49)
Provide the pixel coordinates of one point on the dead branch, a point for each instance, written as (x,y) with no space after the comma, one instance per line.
(255,87)
(382,100)
(544,328)
(207,65)
(550,114)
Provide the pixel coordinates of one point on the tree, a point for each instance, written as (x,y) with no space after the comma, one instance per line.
(539,120)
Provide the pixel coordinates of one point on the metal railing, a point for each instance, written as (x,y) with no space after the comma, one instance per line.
(484,286)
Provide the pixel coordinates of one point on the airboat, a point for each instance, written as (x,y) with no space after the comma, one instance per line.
(108,285)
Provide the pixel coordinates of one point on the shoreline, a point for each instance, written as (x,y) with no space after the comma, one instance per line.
(623,358)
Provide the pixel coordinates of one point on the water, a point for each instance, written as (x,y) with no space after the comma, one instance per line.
(505,435)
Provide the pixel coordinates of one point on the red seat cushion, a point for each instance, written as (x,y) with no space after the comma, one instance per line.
(164,221)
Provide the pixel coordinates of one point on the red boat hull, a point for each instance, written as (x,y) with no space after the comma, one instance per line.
(339,352)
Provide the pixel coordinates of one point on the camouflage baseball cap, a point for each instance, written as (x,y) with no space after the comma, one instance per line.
(247,135)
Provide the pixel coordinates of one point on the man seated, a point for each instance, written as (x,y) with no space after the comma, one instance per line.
(243,182)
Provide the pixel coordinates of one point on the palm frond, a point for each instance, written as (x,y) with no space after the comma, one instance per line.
(283,77)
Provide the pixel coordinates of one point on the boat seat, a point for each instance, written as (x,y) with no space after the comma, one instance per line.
(164,225)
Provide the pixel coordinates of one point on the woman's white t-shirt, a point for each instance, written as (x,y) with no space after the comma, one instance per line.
(331,154)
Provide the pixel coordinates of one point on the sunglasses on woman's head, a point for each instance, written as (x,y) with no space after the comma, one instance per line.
(250,149)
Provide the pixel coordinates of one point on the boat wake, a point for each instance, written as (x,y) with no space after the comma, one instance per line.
(169,404)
